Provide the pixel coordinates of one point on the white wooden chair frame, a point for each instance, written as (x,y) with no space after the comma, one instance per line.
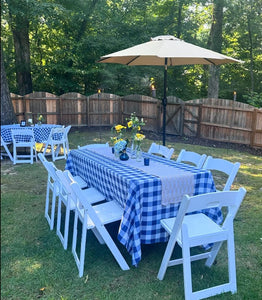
(17,135)
(224,166)
(193,157)
(95,218)
(65,198)
(161,150)
(7,152)
(53,187)
(55,145)
(92,146)
(197,229)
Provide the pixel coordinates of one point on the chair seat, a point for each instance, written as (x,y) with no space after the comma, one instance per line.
(93,195)
(80,181)
(107,212)
(198,225)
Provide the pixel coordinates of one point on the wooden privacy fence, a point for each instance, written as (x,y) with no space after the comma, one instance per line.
(212,119)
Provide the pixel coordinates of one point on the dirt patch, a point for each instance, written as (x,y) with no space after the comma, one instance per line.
(192,141)
(214,144)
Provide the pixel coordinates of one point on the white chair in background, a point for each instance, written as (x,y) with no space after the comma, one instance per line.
(23,138)
(94,218)
(224,166)
(197,229)
(56,141)
(67,129)
(89,146)
(192,157)
(161,150)
(65,198)
(4,149)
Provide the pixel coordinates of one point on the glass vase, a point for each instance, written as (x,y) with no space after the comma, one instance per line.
(133,151)
(138,153)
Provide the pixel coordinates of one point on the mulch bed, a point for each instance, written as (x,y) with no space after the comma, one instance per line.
(193,141)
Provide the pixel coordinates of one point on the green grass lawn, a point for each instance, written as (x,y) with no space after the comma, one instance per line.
(35,266)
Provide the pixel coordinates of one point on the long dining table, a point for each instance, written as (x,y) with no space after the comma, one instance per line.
(147,193)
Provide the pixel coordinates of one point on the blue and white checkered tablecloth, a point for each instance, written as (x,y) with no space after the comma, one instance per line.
(138,193)
(41,132)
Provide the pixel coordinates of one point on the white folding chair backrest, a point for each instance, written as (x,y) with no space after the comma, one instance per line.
(191,230)
(225,166)
(6,151)
(57,139)
(161,150)
(94,218)
(192,157)
(90,146)
(23,138)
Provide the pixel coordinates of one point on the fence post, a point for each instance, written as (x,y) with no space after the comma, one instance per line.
(182,119)
(199,120)
(254,122)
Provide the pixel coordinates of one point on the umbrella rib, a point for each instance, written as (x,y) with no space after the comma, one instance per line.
(132,60)
(210,61)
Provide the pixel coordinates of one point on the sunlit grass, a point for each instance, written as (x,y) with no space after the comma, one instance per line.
(34,264)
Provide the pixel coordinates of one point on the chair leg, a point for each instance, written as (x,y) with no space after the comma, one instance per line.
(213,253)
(166,259)
(52,221)
(113,248)
(58,224)
(74,242)
(66,229)
(187,270)
(231,262)
(98,236)
(15,154)
(8,153)
(63,237)
(83,248)
(47,205)
(31,155)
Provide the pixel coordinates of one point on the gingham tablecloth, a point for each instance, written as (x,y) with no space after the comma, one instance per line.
(138,193)
(41,132)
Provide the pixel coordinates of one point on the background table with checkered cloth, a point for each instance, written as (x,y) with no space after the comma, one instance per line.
(138,193)
(41,132)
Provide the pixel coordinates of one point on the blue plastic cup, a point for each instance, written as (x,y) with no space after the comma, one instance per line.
(146,161)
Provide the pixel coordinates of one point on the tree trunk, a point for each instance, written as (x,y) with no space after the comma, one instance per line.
(251,54)
(7,110)
(20,30)
(215,44)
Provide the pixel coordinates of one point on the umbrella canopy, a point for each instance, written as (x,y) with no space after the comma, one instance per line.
(166,51)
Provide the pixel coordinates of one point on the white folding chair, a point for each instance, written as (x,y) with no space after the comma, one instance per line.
(53,187)
(197,229)
(65,198)
(94,218)
(191,157)
(4,149)
(67,129)
(224,166)
(23,138)
(56,141)
(161,150)
(89,146)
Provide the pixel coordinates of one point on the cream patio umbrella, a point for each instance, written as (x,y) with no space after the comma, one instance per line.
(166,51)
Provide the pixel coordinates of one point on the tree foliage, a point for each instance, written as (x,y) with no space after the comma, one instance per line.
(68,37)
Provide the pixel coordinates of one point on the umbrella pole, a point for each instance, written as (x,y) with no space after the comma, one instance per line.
(164,103)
